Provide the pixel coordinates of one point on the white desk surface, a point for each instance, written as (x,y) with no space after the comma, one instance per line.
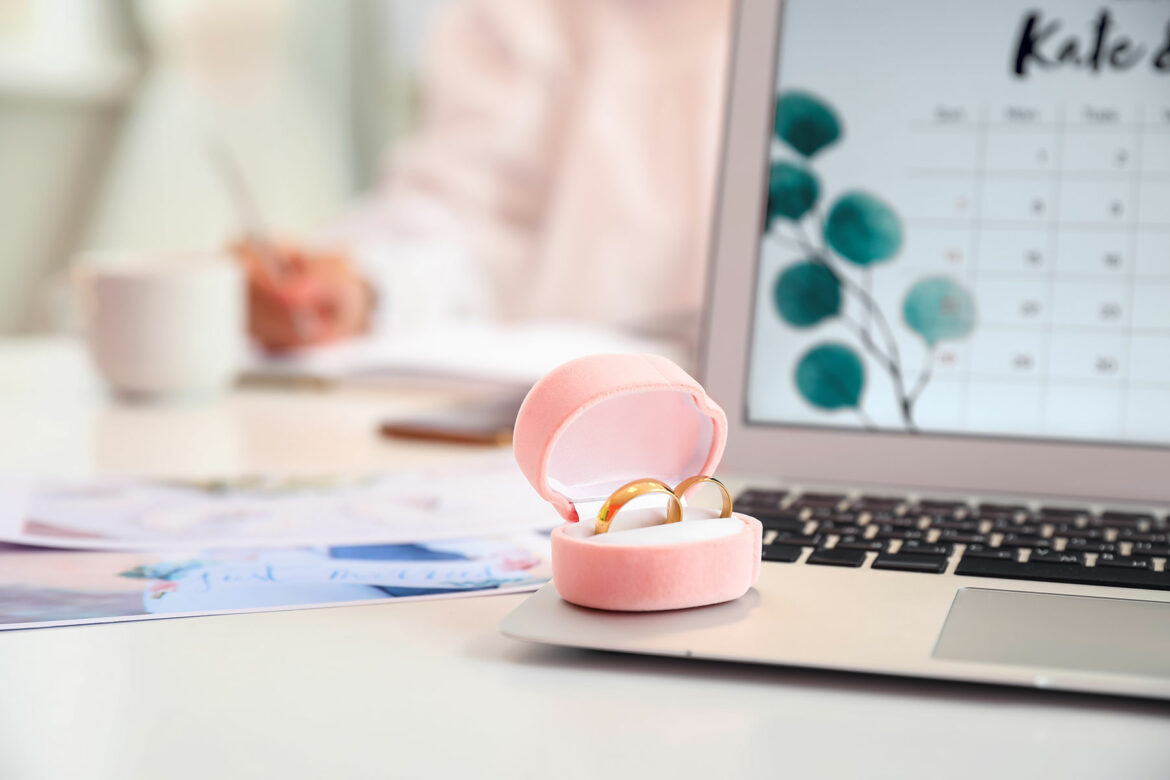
(431,689)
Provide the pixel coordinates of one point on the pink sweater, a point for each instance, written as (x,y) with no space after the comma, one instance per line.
(564,166)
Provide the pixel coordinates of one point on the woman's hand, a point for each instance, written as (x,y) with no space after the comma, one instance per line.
(299,297)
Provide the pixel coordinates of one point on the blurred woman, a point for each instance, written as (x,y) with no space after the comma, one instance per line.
(564,167)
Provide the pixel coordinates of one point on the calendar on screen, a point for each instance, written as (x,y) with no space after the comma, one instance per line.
(968,221)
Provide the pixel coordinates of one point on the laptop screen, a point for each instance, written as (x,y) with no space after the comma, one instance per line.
(968,221)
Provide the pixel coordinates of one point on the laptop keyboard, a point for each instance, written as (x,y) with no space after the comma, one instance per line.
(1007,541)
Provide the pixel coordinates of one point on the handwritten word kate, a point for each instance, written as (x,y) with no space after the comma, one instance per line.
(1041,44)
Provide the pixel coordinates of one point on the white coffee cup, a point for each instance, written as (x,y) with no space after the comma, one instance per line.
(163,326)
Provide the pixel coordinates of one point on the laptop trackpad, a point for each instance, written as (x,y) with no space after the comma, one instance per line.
(1119,636)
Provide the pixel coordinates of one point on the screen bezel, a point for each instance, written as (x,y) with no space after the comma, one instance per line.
(1110,472)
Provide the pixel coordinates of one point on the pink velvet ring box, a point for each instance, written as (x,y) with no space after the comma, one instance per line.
(592,425)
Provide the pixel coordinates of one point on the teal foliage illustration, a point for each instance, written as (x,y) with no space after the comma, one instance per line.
(831,278)
(831,376)
(939,309)
(806,123)
(792,191)
(863,229)
(807,293)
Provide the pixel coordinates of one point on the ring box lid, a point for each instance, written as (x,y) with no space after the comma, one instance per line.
(595,423)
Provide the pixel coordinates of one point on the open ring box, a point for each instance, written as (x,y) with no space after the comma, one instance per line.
(592,425)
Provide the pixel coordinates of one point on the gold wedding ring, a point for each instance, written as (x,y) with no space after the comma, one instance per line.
(688,484)
(627,493)
(641,487)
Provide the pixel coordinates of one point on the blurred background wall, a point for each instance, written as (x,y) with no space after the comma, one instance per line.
(107,109)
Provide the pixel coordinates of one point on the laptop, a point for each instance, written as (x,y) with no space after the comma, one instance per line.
(938,319)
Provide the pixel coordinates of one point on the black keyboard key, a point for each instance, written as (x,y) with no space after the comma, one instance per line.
(781,521)
(930,564)
(1034,542)
(1057,513)
(998,553)
(1073,532)
(925,548)
(971,566)
(837,557)
(961,537)
(788,537)
(1027,529)
(1151,548)
(955,525)
(1052,556)
(783,553)
(1125,519)
(1136,536)
(935,506)
(756,500)
(872,503)
(822,498)
(839,518)
(840,530)
(1125,561)
(819,499)
(896,522)
(1090,545)
(858,543)
(889,531)
(1001,510)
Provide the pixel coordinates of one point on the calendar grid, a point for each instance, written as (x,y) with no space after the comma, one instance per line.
(1131,277)
(1010,127)
(1073,226)
(950,173)
(1083,329)
(1050,269)
(1060,245)
(973,265)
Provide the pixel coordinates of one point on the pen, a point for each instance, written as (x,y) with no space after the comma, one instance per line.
(256,237)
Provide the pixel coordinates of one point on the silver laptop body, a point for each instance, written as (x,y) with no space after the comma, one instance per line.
(983,188)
